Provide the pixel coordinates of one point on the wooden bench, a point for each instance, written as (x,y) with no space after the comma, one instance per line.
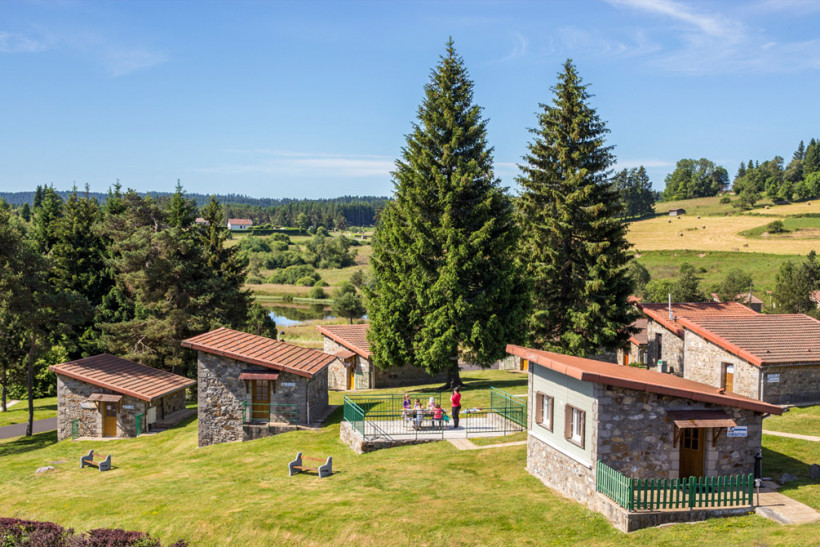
(324,470)
(102,465)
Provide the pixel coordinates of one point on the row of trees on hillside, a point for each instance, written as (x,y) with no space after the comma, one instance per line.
(133,277)
(800,179)
(459,271)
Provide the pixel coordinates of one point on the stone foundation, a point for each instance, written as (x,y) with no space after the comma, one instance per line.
(560,472)
(356,442)
(630,521)
(251,432)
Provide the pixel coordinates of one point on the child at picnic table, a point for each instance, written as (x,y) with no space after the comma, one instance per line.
(431,404)
(405,406)
(438,415)
(419,414)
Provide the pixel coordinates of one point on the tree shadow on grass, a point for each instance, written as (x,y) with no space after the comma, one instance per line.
(21,445)
(776,463)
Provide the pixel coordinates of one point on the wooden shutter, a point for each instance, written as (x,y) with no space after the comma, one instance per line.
(539,408)
(567,422)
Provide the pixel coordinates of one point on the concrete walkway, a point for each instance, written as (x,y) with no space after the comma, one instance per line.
(10,404)
(792,435)
(783,509)
(17,430)
(467,444)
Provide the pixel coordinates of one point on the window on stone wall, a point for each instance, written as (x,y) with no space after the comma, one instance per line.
(574,422)
(543,410)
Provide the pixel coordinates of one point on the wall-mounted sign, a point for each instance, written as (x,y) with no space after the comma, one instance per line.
(288,384)
(737,431)
(773,378)
(88,406)
(128,407)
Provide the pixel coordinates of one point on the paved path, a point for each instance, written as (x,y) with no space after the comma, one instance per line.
(791,435)
(467,444)
(17,430)
(783,509)
(11,403)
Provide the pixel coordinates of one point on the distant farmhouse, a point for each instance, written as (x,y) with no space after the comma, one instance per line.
(635,353)
(665,350)
(239,223)
(354,368)
(251,386)
(773,358)
(746,298)
(676,212)
(201,221)
(106,396)
(595,428)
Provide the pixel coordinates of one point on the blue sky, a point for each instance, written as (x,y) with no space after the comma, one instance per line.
(313,99)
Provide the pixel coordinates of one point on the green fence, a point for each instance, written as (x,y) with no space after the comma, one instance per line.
(75,428)
(509,406)
(686,493)
(354,414)
(140,418)
(270,412)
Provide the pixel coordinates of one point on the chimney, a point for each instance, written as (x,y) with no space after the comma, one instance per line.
(671,315)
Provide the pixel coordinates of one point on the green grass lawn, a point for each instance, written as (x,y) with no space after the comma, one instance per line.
(785,455)
(805,421)
(18,414)
(430,494)
(511,438)
(803,227)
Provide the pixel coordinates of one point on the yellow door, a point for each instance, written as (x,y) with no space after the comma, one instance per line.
(260,400)
(691,453)
(525,365)
(351,376)
(729,377)
(109,425)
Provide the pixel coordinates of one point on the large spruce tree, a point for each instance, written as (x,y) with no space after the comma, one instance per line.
(445,282)
(573,245)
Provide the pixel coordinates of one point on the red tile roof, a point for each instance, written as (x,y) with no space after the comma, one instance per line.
(639,338)
(660,312)
(123,376)
(745,298)
(353,337)
(240,221)
(258,350)
(638,379)
(762,339)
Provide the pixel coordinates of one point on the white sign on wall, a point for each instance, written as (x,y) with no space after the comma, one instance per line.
(88,406)
(773,378)
(128,407)
(737,431)
(288,384)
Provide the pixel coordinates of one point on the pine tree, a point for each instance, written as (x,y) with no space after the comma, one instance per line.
(25,212)
(812,162)
(45,217)
(445,281)
(800,153)
(574,248)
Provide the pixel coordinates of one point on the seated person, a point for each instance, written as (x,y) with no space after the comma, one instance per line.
(438,416)
(419,410)
(405,407)
(431,404)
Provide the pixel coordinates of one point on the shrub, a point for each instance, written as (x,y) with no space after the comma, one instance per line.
(278,246)
(776,227)
(33,533)
(293,275)
(281,237)
(306,281)
(275,261)
(725,199)
(321,283)
(252,244)
(317,292)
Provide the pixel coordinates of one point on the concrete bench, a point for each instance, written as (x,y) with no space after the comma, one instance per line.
(102,465)
(324,470)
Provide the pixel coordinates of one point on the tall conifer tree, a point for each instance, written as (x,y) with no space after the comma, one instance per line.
(573,245)
(445,283)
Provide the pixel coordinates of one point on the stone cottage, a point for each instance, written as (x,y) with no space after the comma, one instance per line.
(635,353)
(355,369)
(106,396)
(251,386)
(664,333)
(641,423)
(772,358)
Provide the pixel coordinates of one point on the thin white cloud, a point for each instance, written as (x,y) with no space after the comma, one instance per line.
(705,23)
(306,164)
(122,61)
(519,49)
(11,42)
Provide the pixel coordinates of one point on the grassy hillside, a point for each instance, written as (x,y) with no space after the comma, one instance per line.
(431,494)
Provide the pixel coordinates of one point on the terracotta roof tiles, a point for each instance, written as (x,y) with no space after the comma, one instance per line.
(123,376)
(638,379)
(660,312)
(639,338)
(353,337)
(762,339)
(262,351)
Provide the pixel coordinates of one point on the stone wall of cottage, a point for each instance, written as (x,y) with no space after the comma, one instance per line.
(704,364)
(560,472)
(672,348)
(72,393)
(302,391)
(636,438)
(797,384)
(634,352)
(220,394)
(337,375)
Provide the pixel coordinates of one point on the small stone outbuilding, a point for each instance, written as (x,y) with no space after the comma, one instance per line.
(635,353)
(251,386)
(664,333)
(355,368)
(106,396)
(640,423)
(772,358)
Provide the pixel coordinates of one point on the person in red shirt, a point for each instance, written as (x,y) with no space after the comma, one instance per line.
(455,404)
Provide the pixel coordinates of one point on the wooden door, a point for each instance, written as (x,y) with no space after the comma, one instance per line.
(109,421)
(728,377)
(351,376)
(691,453)
(525,365)
(626,359)
(260,400)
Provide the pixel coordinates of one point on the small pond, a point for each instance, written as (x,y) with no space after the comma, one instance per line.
(289,316)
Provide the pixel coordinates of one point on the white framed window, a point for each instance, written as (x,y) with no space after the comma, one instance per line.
(574,425)
(543,410)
